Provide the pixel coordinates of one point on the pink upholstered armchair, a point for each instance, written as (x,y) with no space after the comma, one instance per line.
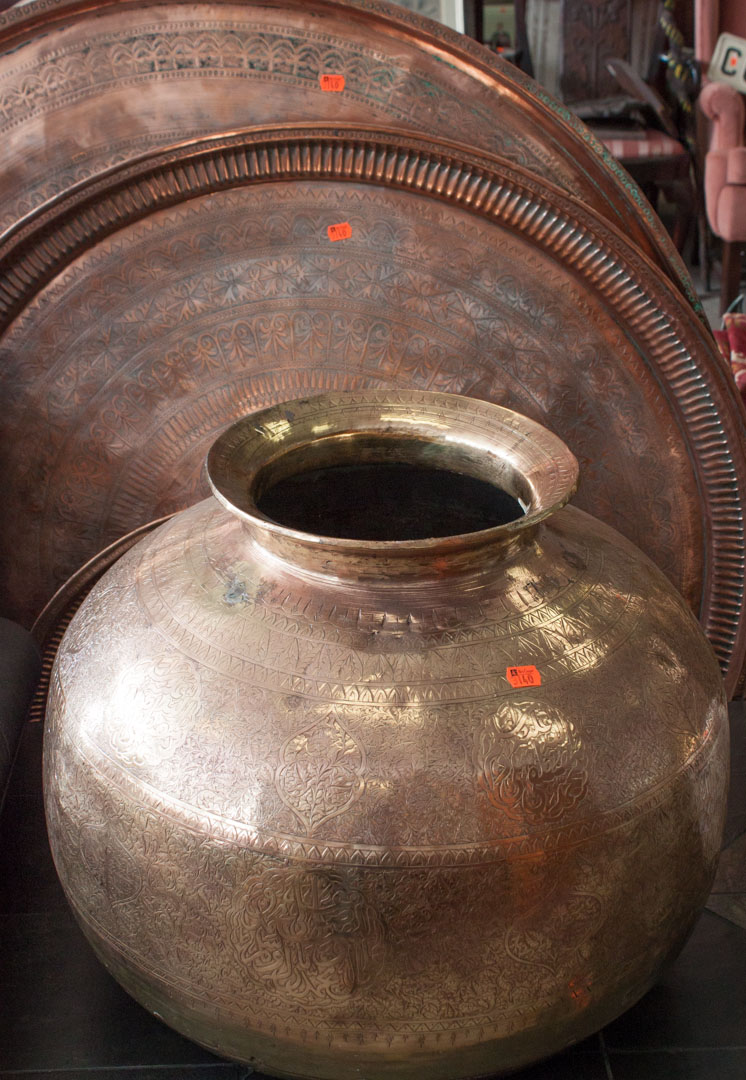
(725,160)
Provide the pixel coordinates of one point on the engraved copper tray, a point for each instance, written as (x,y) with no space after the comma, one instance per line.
(148,308)
(85,84)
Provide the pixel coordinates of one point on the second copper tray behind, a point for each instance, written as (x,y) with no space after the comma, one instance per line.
(206,284)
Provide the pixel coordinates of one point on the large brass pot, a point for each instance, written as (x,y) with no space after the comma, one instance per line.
(409,806)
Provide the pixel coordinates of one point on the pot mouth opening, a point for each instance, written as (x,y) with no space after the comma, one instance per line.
(377,488)
(392,474)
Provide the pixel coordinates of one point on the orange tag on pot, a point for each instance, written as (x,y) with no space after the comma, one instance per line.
(527,675)
(342,231)
(332,83)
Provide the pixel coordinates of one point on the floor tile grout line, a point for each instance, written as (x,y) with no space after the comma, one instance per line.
(605,1056)
(723,918)
(738,838)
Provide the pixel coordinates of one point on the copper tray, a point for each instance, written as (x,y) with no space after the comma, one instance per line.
(189,287)
(85,84)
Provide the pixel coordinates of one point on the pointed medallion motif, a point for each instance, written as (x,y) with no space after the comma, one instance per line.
(321,772)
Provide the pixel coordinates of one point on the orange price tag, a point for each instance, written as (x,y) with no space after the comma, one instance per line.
(527,675)
(342,231)
(332,83)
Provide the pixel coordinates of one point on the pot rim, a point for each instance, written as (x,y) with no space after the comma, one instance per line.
(488,441)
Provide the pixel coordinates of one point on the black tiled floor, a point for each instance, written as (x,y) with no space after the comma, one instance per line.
(699,1002)
(222,1070)
(736,824)
(28,881)
(567,1067)
(680,1065)
(62,1017)
(60,1008)
(27,773)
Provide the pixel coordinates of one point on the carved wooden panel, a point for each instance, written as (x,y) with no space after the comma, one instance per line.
(592,31)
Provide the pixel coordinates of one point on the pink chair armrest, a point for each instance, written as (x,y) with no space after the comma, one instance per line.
(725,107)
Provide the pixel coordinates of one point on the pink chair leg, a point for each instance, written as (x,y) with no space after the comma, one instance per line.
(731,276)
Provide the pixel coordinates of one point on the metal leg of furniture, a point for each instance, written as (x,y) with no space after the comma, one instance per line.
(731,274)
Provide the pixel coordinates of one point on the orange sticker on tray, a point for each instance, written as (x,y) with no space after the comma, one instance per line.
(527,675)
(342,231)
(333,83)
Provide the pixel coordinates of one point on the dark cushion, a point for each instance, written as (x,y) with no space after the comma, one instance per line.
(20,664)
